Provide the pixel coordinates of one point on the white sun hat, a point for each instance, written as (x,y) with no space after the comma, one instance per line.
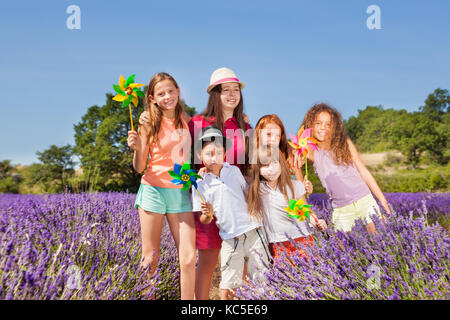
(223,75)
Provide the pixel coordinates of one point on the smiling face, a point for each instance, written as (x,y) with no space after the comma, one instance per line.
(165,95)
(271,172)
(270,135)
(322,127)
(230,95)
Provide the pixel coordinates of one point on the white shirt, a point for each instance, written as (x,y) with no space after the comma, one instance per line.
(279,227)
(227,196)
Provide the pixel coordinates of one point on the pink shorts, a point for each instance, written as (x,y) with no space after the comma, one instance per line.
(207,235)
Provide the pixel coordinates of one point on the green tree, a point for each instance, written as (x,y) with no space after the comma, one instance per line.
(5,168)
(414,134)
(437,104)
(101,145)
(371,129)
(57,166)
(9,178)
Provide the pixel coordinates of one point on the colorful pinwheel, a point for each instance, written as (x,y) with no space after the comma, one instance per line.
(186,176)
(128,93)
(298,209)
(303,142)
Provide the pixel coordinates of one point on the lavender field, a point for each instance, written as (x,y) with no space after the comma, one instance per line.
(87,246)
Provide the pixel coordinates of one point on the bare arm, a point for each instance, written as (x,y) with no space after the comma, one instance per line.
(139,143)
(367,176)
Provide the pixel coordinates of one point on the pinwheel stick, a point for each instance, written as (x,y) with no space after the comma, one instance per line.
(131,117)
(210,214)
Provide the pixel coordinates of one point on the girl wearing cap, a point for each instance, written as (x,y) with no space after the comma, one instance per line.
(225,110)
(157,138)
(223,187)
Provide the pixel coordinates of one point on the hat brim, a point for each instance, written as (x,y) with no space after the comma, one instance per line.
(211,86)
(199,143)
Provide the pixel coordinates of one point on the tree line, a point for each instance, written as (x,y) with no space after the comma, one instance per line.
(105,160)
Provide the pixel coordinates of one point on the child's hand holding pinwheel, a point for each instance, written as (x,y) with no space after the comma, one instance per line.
(303,142)
(128,93)
(299,210)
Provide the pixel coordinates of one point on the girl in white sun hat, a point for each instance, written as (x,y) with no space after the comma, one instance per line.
(225,110)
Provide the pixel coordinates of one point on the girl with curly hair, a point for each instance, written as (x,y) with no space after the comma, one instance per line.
(346,179)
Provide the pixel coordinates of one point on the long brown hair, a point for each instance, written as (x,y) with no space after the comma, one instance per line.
(284,146)
(152,127)
(263,157)
(215,109)
(338,144)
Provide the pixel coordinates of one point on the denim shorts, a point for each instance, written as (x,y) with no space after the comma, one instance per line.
(162,200)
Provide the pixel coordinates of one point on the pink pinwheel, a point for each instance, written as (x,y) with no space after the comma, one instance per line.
(303,142)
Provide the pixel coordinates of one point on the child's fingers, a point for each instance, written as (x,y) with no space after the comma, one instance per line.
(132,133)
(144,117)
(201,171)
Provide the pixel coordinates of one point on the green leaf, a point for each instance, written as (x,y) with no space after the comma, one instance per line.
(129,80)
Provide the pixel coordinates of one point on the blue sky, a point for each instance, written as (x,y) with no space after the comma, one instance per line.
(290,54)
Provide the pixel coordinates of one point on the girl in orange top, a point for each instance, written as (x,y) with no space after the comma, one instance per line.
(164,138)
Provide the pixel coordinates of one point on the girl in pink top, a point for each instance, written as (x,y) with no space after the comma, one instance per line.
(225,110)
(346,179)
(164,139)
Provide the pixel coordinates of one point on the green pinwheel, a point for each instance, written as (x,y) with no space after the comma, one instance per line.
(184,175)
(128,93)
(298,209)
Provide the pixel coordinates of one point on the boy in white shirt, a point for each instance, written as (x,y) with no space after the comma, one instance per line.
(223,188)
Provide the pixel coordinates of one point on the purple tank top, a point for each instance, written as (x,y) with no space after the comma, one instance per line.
(343,184)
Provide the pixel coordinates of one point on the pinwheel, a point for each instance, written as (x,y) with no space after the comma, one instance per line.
(183,174)
(303,142)
(298,209)
(128,93)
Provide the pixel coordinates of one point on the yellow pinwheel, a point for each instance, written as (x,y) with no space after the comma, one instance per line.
(128,93)
(298,209)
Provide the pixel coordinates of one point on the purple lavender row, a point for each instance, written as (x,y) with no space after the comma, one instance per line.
(78,246)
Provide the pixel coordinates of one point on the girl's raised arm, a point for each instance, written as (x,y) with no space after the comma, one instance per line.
(367,176)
